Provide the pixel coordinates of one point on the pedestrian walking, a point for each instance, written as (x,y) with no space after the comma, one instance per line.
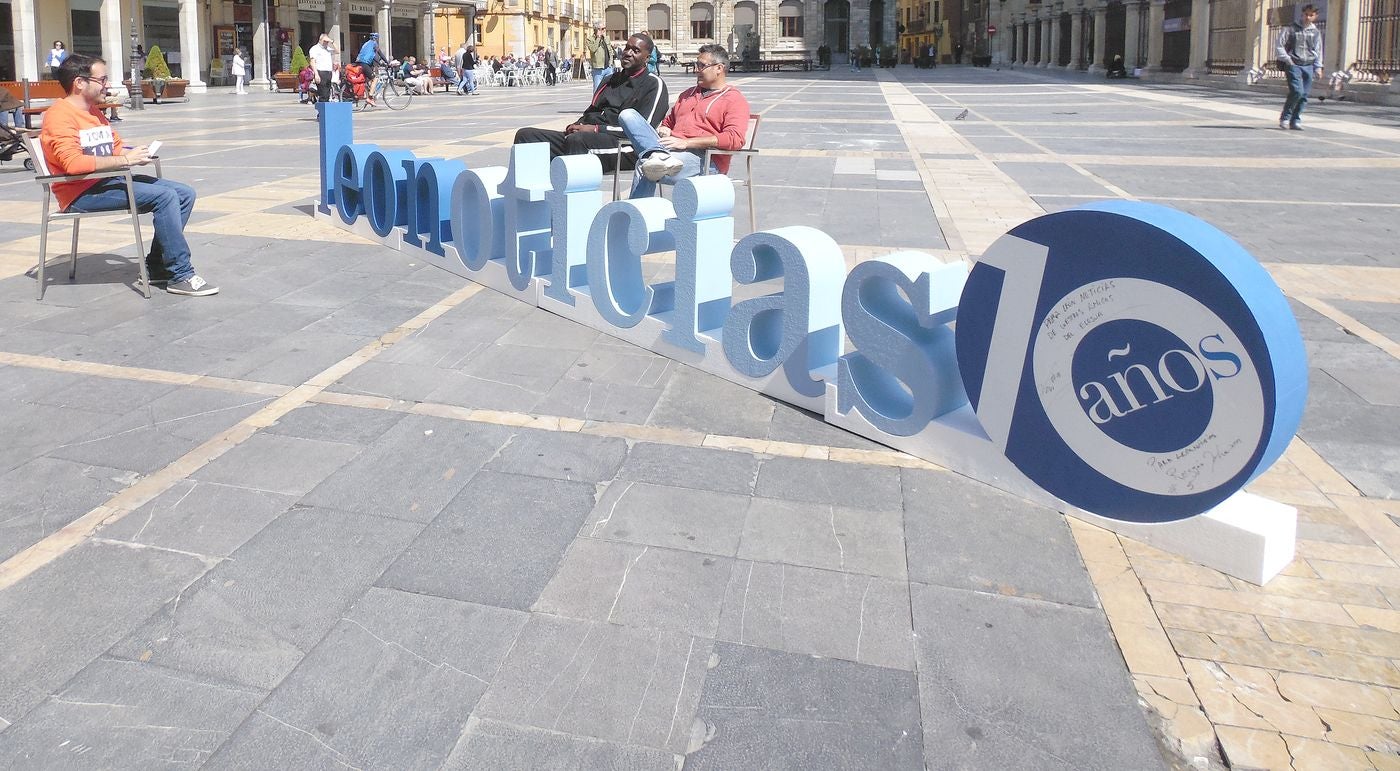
(57,55)
(1299,54)
(240,71)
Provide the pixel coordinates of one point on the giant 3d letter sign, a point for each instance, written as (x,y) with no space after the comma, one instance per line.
(1121,358)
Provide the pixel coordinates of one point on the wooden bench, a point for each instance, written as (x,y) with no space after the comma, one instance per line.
(30,91)
(762,65)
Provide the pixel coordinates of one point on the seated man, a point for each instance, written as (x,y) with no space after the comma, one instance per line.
(710,114)
(1116,68)
(77,139)
(631,87)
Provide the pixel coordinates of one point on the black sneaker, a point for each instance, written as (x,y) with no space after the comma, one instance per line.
(158,276)
(193,286)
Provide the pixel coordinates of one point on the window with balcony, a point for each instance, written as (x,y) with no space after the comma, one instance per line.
(790,18)
(702,21)
(659,21)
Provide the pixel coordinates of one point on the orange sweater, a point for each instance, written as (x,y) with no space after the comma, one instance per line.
(72,140)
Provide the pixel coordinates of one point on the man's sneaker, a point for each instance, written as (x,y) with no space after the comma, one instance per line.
(158,275)
(1295,126)
(1283,123)
(193,286)
(659,165)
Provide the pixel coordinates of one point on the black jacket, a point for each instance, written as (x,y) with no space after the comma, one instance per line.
(643,92)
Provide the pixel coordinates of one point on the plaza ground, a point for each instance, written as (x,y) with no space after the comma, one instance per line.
(358,512)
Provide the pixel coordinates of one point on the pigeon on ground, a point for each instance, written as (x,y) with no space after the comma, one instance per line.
(961,115)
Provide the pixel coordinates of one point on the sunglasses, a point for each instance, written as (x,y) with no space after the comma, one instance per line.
(701,67)
(100,81)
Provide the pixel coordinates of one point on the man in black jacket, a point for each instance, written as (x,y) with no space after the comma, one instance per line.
(630,88)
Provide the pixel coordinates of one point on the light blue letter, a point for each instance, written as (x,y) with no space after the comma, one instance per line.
(574,202)
(901,340)
(703,230)
(761,334)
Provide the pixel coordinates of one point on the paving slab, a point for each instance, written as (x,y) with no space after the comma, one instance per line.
(1009,683)
(765,709)
(498,542)
(41,649)
(391,685)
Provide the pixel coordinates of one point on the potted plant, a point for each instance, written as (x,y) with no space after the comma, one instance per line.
(862,55)
(159,73)
(287,81)
(157,83)
(824,55)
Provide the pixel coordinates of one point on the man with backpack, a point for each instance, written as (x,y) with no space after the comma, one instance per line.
(1299,54)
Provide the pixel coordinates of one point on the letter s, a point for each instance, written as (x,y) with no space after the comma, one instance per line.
(901,341)
(1219,355)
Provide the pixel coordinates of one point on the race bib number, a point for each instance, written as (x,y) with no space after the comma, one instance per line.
(96,141)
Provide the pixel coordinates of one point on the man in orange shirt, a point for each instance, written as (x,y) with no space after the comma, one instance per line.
(77,139)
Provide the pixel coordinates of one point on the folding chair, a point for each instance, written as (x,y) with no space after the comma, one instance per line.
(623,150)
(47,181)
(748,151)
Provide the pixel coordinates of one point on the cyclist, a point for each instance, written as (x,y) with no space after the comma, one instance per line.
(369,56)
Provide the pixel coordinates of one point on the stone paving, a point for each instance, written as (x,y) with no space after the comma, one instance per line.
(357,512)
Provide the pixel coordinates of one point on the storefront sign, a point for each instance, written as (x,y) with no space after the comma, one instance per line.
(362,8)
(404,12)
(311,5)
(1127,359)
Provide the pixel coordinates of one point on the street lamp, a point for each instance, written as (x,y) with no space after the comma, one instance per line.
(136,65)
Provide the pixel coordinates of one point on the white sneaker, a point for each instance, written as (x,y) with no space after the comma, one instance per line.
(659,165)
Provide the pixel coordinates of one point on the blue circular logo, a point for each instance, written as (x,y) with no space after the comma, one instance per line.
(1130,359)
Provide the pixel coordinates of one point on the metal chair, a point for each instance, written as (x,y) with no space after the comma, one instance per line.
(748,151)
(624,148)
(47,181)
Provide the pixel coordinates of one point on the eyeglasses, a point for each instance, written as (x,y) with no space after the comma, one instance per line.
(702,66)
(100,81)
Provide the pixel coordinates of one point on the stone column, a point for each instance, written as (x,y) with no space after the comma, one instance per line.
(261,73)
(1341,47)
(1156,14)
(1076,39)
(115,43)
(427,34)
(27,50)
(1053,60)
(1101,40)
(337,12)
(1257,49)
(1132,30)
(1200,39)
(383,24)
(191,57)
(1042,33)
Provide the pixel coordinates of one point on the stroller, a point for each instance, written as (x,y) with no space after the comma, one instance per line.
(11,145)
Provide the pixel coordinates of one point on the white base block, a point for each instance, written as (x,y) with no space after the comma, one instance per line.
(361,228)
(1246,536)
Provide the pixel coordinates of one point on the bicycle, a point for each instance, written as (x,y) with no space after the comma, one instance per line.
(386,89)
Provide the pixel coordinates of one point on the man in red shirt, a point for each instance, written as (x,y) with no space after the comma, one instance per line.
(710,114)
(77,139)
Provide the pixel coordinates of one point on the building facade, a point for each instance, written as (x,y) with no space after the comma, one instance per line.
(518,26)
(1198,39)
(198,37)
(754,29)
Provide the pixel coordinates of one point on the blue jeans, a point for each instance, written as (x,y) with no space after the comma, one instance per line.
(646,141)
(599,75)
(1300,78)
(171,202)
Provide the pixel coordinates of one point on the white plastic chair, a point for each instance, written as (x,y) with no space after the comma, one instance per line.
(47,181)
